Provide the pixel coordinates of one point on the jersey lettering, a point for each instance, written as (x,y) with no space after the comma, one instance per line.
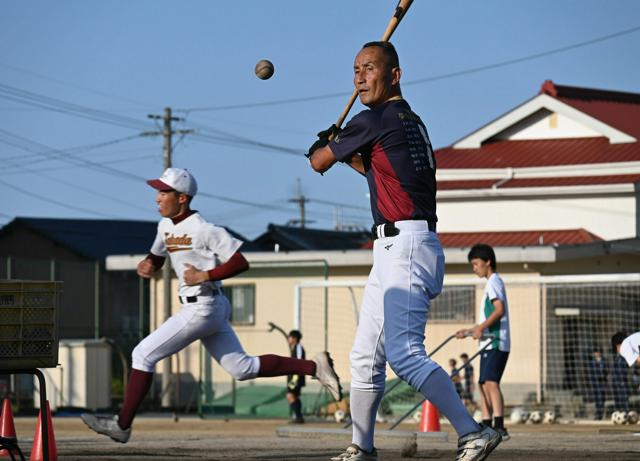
(174,243)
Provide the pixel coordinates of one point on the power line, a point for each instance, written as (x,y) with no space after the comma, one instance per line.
(425,79)
(47,152)
(64,167)
(56,202)
(265,103)
(31,146)
(74,150)
(216,136)
(73,85)
(529,57)
(200,137)
(85,190)
(29,98)
(342,205)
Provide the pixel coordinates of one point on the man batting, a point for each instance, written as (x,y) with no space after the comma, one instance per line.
(202,255)
(389,145)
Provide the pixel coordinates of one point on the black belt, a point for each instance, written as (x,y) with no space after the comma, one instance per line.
(389,229)
(194,299)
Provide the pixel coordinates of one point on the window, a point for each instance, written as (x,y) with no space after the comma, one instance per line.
(454,304)
(243,305)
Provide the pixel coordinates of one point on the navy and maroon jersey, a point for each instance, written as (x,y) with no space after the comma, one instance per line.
(398,161)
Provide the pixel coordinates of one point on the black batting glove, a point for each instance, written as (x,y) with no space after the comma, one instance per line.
(323,139)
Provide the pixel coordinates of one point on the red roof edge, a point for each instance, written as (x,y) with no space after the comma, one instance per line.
(513,238)
(548,87)
(574,92)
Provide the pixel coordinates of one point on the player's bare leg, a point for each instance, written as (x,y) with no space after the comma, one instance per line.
(496,402)
(492,390)
(485,405)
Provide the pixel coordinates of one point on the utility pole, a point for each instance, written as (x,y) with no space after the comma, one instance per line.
(166,133)
(300,200)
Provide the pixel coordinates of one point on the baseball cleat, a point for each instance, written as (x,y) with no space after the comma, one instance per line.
(477,445)
(107,425)
(355,453)
(327,375)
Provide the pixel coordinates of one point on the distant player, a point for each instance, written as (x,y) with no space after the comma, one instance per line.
(619,374)
(455,377)
(493,319)
(598,372)
(468,383)
(295,382)
(202,255)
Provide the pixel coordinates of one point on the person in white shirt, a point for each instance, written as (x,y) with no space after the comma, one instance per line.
(202,254)
(630,349)
(494,320)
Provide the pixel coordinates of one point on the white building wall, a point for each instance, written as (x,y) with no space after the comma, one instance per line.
(608,217)
(82,378)
(547,125)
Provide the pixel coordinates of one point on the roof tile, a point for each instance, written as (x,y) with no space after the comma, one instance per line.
(535,153)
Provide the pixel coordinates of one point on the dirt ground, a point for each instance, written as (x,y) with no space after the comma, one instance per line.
(160,438)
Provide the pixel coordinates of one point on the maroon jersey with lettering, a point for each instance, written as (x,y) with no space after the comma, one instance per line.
(398,159)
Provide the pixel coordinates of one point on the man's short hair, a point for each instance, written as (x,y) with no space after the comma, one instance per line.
(464,356)
(484,252)
(388,50)
(295,334)
(617,339)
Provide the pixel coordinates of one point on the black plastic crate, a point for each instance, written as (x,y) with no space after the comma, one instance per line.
(28,324)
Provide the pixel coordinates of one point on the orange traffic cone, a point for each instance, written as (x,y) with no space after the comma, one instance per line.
(430,420)
(37,453)
(7,428)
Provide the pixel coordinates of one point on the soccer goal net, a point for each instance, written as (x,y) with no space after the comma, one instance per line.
(557,325)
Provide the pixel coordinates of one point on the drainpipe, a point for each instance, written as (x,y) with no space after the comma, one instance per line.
(508,178)
(636,188)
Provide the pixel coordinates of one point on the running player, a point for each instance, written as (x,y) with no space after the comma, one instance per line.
(202,255)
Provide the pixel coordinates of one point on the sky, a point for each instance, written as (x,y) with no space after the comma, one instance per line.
(78,80)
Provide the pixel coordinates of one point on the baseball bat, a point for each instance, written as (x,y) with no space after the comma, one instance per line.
(400,11)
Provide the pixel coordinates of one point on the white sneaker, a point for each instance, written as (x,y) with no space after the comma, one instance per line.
(354,452)
(327,375)
(107,425)
(477,445)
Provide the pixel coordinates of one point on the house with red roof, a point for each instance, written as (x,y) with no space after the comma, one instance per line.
(561,168)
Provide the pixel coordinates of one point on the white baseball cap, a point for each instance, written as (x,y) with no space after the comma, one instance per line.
(177,179)
(629,348)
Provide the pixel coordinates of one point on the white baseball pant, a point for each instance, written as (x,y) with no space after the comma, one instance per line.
(206,320)
(407,272)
